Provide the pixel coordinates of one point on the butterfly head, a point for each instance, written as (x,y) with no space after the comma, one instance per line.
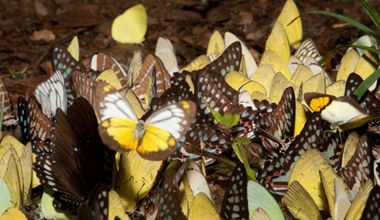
(140,129)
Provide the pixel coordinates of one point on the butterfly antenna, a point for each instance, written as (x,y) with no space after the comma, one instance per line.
(205,153)
(241,87)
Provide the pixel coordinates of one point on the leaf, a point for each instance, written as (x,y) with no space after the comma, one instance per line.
(372,12)
(363,87)
(239,149)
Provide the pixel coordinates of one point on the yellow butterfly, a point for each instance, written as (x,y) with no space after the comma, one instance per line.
(135,178)
(155,138)
(202,208)
(73,48)
(291,21)
(131,26)
(300,203)
(306,172)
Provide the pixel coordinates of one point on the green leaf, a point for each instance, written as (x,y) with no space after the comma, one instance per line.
(363,87)
(370,49)
(372,13)
(346,19)
(227,119)
(239,148)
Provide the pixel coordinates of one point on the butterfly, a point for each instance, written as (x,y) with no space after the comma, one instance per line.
(8,118)
(307,172)
(273,125)
(359,168)
(300,203)
(369,103)
(73,48)
(308,55)
(165,51)
(51,94)
(74,160)
(372,207)
(235,203)
(33,123)
(63,61)
(248,61)
(101,62)
(210,87)
(291,20)
(164,201)
(16,162)
(201,130)
(154,138)
(344,111)
(96,207)
(336,110)
(130,27)
(308,138)
(152,81)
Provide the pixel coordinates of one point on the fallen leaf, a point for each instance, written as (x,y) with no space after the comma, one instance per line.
(46,35)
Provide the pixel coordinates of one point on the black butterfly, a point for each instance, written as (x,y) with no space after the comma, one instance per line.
(33,123)
(272,124)
(74,160)
(62,60)
(235,202)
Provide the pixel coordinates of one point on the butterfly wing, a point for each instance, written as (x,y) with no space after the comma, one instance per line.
(117,118)
(51,94)
(8,118)
(63,61)
(130,27)
(102,62)
(83,86)
(164,127)
(235,202)
(96,207)
(152,81)
(75,160)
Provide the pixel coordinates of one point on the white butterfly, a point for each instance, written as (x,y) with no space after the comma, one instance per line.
(308,55)
(51,94)
(155,138)
(165,51)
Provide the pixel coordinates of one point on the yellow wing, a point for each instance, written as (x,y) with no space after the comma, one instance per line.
(135,178)
(73,48)
(202,208)
(278,41)
(300,203)
(119,134)
(291,20)
(215,45)
(163,128)
(306,172)
(131,26)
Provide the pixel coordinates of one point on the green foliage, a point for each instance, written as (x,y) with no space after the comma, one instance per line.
(240,150)
(375,17)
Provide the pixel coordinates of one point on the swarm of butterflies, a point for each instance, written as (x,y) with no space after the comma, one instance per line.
(116,141)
